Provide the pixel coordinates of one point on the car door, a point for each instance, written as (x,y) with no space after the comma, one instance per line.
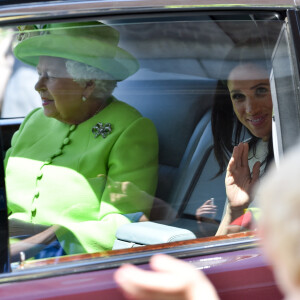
(181,51)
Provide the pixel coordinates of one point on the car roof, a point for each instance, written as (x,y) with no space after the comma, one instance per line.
(14,7)
(142,3)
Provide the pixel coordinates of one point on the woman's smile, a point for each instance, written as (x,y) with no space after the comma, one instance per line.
(257,121)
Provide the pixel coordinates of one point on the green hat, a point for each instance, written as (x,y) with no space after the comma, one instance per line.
(91,43)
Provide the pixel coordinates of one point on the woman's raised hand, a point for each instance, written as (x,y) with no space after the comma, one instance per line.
(239,180)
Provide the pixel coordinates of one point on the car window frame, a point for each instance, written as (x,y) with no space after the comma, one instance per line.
(89,262)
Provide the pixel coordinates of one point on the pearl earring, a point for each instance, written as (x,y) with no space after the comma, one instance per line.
(83,98)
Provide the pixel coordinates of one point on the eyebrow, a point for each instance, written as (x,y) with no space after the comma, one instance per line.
(252,88)
(257,85)
(48,70)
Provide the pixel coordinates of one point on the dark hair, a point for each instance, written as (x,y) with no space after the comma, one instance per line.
(227,130)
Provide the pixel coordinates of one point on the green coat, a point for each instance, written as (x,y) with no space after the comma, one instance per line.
(61,174)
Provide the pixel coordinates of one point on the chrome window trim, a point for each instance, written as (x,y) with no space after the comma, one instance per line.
(96,264)
(11,121)
(59,9)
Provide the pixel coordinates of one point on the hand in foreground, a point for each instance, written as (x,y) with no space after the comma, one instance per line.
(207,210)
(170,278)
(239,180)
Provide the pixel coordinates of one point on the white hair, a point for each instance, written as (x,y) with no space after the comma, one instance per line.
(81,73)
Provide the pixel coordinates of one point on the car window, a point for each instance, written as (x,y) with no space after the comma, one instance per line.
(119,151)
(283,82)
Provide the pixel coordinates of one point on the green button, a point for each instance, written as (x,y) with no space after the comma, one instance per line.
(72,127)
(33,212)
(33,208)
(37,193)
(40,175)
(66,141)
(48,161)
(58,152)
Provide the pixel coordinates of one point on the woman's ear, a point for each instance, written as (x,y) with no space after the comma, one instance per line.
(89,88)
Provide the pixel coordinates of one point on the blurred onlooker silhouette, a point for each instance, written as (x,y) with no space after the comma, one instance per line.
(279,226)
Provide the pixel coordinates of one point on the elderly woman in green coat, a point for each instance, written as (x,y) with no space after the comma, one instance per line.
(69,158)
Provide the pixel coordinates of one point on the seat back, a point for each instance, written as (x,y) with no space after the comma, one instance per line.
(177,107)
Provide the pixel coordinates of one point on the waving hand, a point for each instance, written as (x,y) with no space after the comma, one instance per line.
(239,180)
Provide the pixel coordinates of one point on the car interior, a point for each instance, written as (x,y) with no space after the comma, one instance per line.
(187,165)
(175,88)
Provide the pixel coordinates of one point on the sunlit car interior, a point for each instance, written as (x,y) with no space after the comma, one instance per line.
(181,60)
